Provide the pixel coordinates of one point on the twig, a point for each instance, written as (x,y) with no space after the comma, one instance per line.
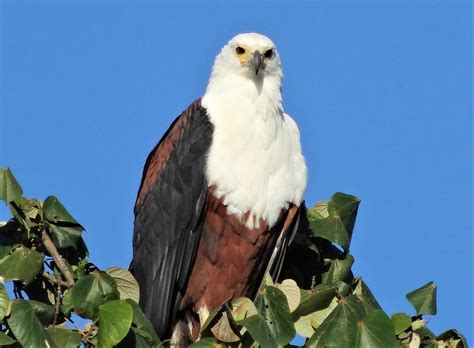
(60,262)
(54,280)
(58,299)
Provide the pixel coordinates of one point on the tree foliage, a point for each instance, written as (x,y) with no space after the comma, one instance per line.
(44,261)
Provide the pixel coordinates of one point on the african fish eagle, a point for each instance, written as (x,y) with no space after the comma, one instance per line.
(220,193)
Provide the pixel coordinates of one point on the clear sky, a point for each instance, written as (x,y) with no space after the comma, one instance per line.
(381,92)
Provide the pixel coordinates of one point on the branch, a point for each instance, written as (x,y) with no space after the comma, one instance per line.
(54,281)
(60,262)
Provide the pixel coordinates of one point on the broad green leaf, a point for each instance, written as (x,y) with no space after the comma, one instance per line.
(315,300)
(142,324)
(115,318)
(26,326)
(43,311)
(335,221)
(401,322)
(26,211)
(10,189)
(67,303)
(292,293)
(366,297)
(338,270)
(54,211)
(4,302)
(259,330)
(338,330)
(126,283)
(5,340)
(424,299)
(64,337)
(91,291)
(22,264)
(376,330)
(272,304)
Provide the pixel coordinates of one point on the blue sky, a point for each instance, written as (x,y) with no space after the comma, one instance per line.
(381,91)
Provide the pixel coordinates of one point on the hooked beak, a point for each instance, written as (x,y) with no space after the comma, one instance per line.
(257,62)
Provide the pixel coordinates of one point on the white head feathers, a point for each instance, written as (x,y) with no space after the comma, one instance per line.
(255,158)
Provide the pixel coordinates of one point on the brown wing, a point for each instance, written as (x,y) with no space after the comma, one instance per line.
(168,215)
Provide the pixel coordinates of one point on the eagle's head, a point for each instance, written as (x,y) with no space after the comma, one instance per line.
(251,55)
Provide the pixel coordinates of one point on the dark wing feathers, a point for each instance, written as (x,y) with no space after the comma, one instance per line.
(168,215)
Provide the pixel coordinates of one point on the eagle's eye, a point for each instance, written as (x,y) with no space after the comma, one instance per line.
(240,50)
(268,53)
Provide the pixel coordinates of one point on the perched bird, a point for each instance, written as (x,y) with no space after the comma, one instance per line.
(220,193)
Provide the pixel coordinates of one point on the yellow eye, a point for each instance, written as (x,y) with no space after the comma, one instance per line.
(268,53)
(240,50)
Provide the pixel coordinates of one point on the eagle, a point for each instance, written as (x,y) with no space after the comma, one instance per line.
(220,194)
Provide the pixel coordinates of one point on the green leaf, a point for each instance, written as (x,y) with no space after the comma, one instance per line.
(67,303)
(401,322)
(64,337)
(272,304)
(259,330)
(366,297)
(54,211)
(376,330)
(44,312)
(91,291)
(126,283)
(26,326)
(424,299)
(452,338)
(5,340)
(4,302)
(292,293)
(142,324)
(115,318)
(335,221)
(12,235)
(22,264)
(65,230)
(306,324)
(315,300)
(10,189)
(338,270)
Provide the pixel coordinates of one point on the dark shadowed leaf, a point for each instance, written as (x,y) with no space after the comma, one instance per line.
(5,340)
(4,301)
(142,325)
(424,299)
(22,264)
(338,270)
(12,235)
(65,236)
(64,337)
(115,318)
(26,326)
(126,283)
(10,189)
(401,322)
(207,342)
(259,330)
(272,304)
(91,291)
(375,330)
(451,339)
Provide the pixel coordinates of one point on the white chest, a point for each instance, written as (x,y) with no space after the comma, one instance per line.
(255,158)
